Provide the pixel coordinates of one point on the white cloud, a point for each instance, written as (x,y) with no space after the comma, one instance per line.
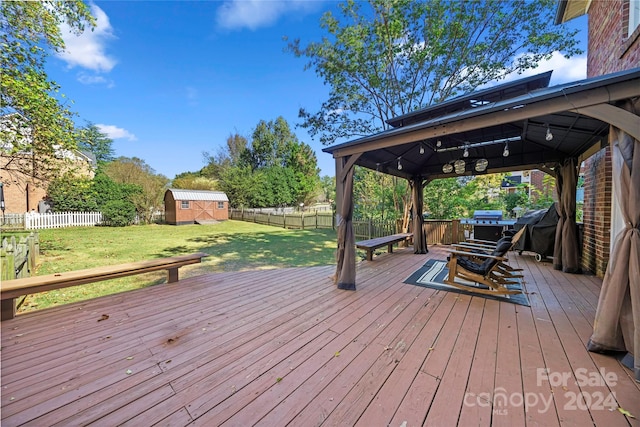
(564,70)
(88,79)
(115,132)
(87,50)
(254,14)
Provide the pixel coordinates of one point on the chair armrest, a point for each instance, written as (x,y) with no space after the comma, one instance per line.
(480,241)
(478,255)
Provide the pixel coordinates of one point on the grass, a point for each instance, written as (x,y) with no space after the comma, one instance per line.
(231,245)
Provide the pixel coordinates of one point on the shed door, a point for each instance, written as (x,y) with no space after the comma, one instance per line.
(203,210)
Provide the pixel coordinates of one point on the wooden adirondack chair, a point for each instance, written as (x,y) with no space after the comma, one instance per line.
(474,264)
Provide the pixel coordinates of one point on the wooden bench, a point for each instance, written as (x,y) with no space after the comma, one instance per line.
(12,289)
(388,241)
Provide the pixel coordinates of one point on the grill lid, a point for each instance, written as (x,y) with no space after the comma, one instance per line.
(494,215)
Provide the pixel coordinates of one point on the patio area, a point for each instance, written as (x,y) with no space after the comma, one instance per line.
(285,347)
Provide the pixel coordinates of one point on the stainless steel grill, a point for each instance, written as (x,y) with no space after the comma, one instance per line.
(487,224)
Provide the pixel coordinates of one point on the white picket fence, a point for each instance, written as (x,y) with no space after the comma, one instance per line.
(33,221)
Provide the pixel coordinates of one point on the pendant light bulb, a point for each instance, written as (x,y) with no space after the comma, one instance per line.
(399,164)
(466,152)
(505,153)
(439,144)
(421,149)
(549,135)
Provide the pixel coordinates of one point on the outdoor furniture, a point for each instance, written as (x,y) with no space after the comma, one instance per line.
(475,265)
(378,242)
(12,289)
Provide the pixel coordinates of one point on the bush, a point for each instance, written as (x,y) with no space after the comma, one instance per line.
(118,213)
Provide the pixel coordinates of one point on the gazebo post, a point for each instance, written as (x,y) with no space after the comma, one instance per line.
(419,237)
(345,277)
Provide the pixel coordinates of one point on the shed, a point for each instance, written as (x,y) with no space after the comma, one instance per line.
(195,206)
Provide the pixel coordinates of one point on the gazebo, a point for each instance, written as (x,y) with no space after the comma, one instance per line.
(519,125)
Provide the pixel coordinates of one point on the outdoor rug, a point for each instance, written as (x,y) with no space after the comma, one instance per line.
(434,272)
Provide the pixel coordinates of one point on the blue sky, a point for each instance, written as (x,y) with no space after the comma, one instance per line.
(168,80)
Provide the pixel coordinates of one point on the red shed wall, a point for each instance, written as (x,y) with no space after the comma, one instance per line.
(200,210)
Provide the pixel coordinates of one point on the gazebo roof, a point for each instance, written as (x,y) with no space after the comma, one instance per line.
(518,114)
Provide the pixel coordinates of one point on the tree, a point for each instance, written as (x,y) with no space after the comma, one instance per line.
(273,169)
(70,193)
(90,139)
(195,181)
(384,58)
(133,170)
(29,31)
(225,157)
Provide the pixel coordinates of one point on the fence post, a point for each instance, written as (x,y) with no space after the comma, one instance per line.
(302,220)
(455,227)
(370,228)
(9,270)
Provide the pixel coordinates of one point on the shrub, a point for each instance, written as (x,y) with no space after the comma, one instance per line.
(118,213)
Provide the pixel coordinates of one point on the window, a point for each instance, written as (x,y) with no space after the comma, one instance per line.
(184,204)
(220,205)
(634,16)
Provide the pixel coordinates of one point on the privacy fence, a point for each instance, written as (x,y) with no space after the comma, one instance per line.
(437,231)
(19,256)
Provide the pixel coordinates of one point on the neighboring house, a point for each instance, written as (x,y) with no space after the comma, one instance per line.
(195,206)
(532,180)
(613,45)
(25,192)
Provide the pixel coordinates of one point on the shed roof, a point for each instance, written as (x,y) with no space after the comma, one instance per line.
(212,196)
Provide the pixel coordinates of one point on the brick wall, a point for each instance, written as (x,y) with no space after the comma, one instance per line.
(20,193)
(610,49)
(597,212)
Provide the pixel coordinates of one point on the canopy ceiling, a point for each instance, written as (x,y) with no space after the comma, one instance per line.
(519,113)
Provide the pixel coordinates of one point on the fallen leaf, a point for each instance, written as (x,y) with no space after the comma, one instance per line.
(625,413)
(103,317)
(278,379)
(337,353)
(129,371)
(130,358)
(430,348)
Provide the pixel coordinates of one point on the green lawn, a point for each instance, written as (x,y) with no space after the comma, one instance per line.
(231,245)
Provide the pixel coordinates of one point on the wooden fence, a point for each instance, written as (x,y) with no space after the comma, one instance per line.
(437,231)
(19,257)
(286,220)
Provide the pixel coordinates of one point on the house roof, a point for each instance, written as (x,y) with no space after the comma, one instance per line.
(210,196)
(568,111)
(569,9)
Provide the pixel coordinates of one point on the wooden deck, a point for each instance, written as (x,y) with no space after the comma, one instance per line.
(284,347)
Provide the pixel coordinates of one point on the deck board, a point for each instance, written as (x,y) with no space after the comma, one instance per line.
(285,347)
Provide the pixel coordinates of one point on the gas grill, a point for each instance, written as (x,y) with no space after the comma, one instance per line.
(488,224)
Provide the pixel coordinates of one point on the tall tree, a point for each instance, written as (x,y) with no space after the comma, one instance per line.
(136,171)
(29,31)
(92,140)
(384,58)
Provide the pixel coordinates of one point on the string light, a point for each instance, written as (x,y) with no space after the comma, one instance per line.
(549,135)
(399,164)
(439,144)
(421,149)
(505,153)
(466,152)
